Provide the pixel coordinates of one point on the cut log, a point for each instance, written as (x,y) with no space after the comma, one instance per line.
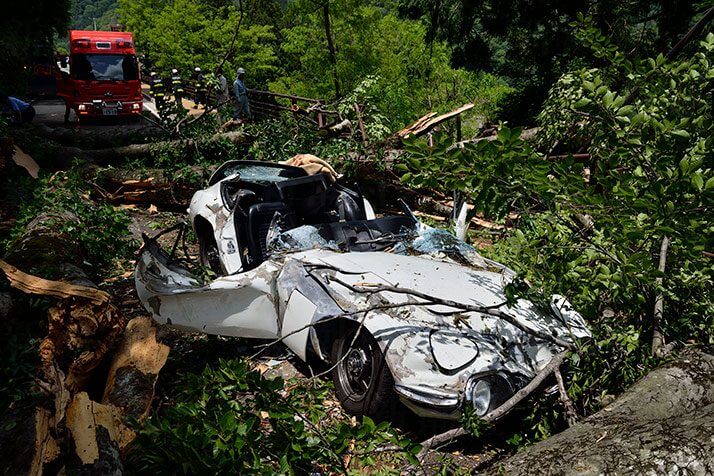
(136,365)
(150,186)
(46,448)
(662,425)
(97,434)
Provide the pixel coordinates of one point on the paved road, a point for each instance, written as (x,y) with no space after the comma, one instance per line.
(51,113)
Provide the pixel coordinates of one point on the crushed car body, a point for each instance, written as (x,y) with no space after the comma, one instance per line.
(393,307)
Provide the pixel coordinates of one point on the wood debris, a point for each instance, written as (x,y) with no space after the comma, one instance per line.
(426,123)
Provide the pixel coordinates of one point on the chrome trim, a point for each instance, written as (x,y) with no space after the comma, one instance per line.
(434,399)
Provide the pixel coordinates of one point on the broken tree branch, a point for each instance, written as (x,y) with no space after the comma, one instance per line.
(229,51)
(489,310)
(34,285)
(657,337)
(570,412)
(449,436)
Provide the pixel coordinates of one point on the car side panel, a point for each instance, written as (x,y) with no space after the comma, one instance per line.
(240,305)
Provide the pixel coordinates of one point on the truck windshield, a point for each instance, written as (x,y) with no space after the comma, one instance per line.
(94,67)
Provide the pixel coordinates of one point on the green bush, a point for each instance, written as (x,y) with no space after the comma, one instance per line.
(231,420)
(649,177)
(100,229)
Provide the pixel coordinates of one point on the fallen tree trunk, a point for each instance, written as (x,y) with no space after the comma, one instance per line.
(62,156)
(135,368)
(662,425)
(137,151)
(44,244)
(70,136)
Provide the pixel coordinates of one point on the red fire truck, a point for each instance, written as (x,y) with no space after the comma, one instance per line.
(104,77)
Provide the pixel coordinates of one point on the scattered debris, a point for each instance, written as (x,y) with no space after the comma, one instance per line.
(26,162)
(426,123)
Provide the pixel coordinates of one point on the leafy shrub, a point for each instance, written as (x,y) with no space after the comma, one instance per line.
(648,177)
(100,229)
(279,139)
(231,420)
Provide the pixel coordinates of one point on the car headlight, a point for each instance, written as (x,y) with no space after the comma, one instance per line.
(480,397)
(478,394)
(486,392)
(82,107)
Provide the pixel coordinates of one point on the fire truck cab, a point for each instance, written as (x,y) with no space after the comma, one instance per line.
(104,77)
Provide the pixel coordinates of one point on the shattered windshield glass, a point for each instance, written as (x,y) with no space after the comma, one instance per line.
(302,238)
(260,174)
(424,241)
(437,242)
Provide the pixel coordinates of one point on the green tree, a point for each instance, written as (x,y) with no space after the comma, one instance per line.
(85,14)
(184,34)
(408,76)
(530,42)
(594,231)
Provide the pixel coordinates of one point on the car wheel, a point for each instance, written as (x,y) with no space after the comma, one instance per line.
(363,382)
(209,254)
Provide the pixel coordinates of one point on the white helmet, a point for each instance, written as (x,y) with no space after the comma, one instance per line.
(241,71)
(197,69)
(174,71)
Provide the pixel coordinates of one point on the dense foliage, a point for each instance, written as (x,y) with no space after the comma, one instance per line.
(93,14)
(26,31)
(593,231)
(232,420)
(379,59)
(530,43)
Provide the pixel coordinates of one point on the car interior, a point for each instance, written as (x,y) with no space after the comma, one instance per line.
(296,199)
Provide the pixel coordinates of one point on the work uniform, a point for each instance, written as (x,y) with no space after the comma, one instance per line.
(200,91)
(242,106)
(177,87)
(158,91)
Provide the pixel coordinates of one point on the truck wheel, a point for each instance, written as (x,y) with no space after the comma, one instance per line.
(363,382)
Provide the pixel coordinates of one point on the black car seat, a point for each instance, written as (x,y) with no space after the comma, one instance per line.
(260,216)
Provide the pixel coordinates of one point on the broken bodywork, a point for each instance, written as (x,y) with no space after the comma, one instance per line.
(436,309)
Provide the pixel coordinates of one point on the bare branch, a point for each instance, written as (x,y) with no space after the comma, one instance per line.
(229,51)
(657,337)
(570,412)
(489,310)
(499,412)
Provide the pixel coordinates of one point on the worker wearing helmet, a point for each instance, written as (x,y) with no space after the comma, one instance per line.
(199,88)
(177,87)
(158,91)
(241,92)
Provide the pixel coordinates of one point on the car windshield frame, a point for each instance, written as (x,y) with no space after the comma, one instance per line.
(105,67)
(232,167)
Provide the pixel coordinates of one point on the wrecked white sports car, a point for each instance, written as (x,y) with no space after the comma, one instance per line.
(392,307)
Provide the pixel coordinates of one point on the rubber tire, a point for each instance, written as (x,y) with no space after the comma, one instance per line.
(381,398)
(204,243)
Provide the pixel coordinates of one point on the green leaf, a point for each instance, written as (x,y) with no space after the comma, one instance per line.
(681,133)
(698,181)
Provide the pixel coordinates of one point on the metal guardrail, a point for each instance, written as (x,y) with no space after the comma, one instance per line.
(268,104)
